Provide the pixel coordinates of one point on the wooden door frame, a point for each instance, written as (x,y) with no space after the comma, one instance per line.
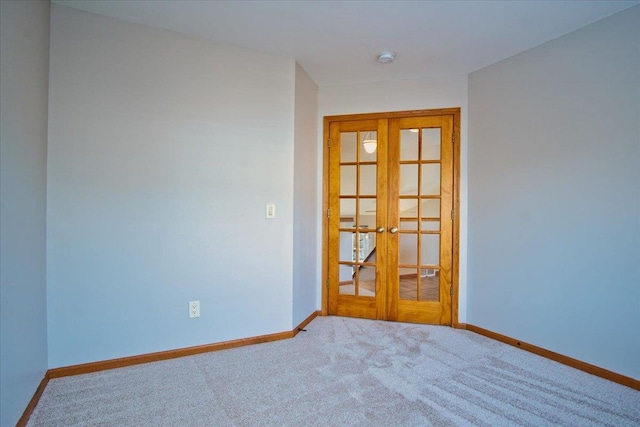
(455,112)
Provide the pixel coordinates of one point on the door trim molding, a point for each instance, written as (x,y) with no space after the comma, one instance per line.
(327,120)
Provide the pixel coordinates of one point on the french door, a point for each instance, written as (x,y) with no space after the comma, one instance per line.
(390,217)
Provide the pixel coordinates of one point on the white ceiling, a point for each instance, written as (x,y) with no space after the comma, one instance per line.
(337,42)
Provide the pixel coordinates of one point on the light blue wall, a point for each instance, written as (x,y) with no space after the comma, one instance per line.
(554,195)
(163,151)
(305,210)
(24,58)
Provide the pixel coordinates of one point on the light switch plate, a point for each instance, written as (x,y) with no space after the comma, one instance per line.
(271,210)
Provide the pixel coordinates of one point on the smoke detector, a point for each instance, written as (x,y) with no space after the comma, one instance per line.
(386,57)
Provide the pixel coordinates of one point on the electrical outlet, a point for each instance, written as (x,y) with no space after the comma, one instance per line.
(194,309)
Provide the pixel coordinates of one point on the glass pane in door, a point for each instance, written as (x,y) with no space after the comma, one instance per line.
(368,180)
(408,249)
(430,208)
(367,281)
(408,223)
(430,249)
(368,222)
(408,180)
(429,284)
(408,263)
(347,266)
(430,144)
(368,212)
(347,284)
(347,213)
(348,176)
(430,225)
(346,246)
(368,146)
(430,179)
(408,285)
(408,209)
(409,144)
(348,147)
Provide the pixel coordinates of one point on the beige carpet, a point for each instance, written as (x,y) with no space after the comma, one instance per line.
(345,372)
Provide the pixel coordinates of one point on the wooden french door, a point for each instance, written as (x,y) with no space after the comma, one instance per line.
(390,217)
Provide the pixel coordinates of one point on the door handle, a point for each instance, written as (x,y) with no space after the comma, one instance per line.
(393,230)
(380,229)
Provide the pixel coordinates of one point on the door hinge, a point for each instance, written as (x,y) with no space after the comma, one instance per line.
(453,137)
(453,214)
(327,283)
(451,290)
(328,213)
(328,142)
